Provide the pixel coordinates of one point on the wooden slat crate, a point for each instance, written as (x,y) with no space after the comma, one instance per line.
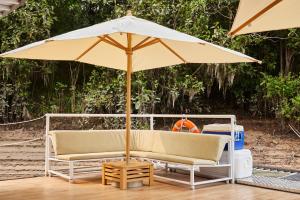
(124,173)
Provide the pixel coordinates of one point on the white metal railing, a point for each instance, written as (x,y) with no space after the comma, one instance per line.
(150,116)
(232,119)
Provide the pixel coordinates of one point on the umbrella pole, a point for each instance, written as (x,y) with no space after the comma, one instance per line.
(128,96)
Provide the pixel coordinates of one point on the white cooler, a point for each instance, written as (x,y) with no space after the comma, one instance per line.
(243,165)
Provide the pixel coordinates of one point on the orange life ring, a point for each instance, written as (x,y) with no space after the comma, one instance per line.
(185,123)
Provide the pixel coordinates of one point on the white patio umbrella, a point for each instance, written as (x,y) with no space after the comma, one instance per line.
(265,15)
(130,44)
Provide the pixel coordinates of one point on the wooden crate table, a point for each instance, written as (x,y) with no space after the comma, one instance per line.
(123,173)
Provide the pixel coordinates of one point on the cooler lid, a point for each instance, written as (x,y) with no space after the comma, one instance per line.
(221,128)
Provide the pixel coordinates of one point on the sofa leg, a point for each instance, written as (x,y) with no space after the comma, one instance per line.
(166,167)
(192,177)
(71,171)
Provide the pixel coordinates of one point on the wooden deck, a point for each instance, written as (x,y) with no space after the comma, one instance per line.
(58,189)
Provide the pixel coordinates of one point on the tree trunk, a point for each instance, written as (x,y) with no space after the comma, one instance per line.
(289,55)
(282,52)
(286,59)
(74,72)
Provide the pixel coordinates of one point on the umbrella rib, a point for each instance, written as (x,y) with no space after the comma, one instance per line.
(88,49)
(172,51)
(151,42)
(112,43)
(142,42)
(257,15)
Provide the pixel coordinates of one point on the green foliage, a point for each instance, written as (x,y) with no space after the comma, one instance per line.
(284,94)
(29,24)
(105,92)
(145,95)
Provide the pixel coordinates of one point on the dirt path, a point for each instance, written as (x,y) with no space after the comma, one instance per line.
(269,147)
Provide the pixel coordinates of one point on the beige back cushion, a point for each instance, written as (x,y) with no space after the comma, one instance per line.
(208,147)
(95,141)
(90,141)
(142,140)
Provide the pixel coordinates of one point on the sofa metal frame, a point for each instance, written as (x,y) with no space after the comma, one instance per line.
(71,175)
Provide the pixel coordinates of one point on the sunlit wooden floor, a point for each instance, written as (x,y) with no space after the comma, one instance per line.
(58,189)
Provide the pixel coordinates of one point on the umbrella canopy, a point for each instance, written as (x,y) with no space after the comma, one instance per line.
(152,45)
(265,15)
(130,44)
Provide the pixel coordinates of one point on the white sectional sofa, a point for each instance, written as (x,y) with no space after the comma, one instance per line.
(185,149)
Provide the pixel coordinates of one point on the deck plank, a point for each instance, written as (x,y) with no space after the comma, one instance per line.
(46,188)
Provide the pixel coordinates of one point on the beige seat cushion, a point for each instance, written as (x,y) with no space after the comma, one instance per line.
(172,158)
(91,156)
(141,154)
